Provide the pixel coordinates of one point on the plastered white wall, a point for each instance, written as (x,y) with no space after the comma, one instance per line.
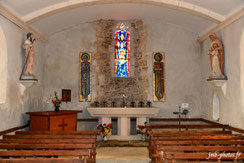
(12,112)
(231,109)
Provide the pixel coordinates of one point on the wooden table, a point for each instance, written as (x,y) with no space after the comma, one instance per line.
(63,120)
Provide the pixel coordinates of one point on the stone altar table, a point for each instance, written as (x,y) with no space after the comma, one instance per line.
(105,115)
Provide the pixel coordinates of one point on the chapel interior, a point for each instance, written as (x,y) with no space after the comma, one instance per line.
(149,59)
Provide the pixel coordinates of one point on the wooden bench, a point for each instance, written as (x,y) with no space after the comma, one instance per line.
(48,141)
(57,133)
(49,136)
(196,132)
(200,153)
(187,127)
(53,141)
(45,156)
(200,142)
(156,135)
(164,149)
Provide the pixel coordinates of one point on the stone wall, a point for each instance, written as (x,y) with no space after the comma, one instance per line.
(108,87)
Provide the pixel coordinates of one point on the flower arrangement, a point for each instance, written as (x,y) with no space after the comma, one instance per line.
(142,129)
(105,129)
(57,101)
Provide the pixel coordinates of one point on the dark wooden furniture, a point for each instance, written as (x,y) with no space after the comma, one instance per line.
(64,120)
(47,146)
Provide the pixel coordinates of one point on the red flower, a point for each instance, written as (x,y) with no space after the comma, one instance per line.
(98,127)
(110,125)
(104,124)
(54,102)
(61,99)
(66,102)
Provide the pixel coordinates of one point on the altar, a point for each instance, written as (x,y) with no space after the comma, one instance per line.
(106,114)
(63,120)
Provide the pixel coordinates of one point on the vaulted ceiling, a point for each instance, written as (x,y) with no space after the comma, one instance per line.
(51,16)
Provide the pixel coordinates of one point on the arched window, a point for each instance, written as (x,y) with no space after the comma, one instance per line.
(3,67)
(122,52)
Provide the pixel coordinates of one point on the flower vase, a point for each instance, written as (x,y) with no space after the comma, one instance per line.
(105,138)
(57,108)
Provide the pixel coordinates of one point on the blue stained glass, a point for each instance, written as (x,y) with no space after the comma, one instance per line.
(122,52)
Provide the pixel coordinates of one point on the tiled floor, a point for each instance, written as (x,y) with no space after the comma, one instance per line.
(122,155)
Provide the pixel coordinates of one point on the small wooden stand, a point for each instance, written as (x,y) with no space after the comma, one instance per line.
(63,120)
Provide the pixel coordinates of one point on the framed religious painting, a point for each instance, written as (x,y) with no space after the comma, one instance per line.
(158,77)
(85,77)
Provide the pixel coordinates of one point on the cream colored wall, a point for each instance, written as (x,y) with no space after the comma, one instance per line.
(231,109)
(12,111)
(3,67)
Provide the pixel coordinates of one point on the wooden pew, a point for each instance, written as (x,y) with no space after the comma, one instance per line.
(201,154)
(49,136)
(196,132)
(181,146)
(187,127)
(48,141)
(70,141)
(155,135)
(45,156)
(57,133)
(200,142)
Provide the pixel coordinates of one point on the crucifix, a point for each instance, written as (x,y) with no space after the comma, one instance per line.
(63,125)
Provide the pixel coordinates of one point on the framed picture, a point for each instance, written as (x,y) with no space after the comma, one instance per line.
(158,77)
(66,94)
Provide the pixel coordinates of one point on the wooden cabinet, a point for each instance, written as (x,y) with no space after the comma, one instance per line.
(64,120)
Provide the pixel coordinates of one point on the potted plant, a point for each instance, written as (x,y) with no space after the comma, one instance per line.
(105,130)
(57,101)
(142,130)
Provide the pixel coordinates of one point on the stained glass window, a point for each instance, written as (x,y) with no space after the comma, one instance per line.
(122,51)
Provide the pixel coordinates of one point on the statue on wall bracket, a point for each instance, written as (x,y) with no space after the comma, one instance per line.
(27,71)
(158,77)
(216,54)
(85,77)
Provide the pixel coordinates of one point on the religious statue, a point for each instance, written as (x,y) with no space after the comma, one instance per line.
(216,57)
(158,77)
(29,55)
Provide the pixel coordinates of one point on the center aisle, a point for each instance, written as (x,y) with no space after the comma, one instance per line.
(122,155)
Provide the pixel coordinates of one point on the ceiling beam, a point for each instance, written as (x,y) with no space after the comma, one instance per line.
(223,24)
(16,20)
(175,5)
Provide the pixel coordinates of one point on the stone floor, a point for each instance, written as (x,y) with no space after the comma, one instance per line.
(122,155)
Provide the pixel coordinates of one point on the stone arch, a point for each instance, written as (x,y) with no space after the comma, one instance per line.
(3,67)
(175,4)
(215,106)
